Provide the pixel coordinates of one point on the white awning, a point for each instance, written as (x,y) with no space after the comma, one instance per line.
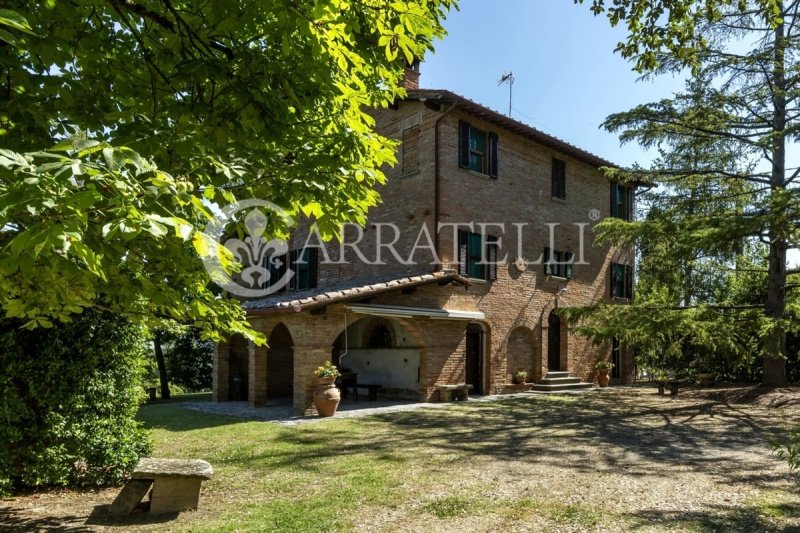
(411,312)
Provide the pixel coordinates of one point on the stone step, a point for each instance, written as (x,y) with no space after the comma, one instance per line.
(558,374)
(558,381)
(541,387)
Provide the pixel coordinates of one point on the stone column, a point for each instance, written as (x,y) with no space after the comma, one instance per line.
(219,373)
(257,357)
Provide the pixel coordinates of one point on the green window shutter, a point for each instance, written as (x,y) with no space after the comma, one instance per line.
(569,257)
(463,144)
(613,208)
(476,269)
(628,281)
(630,206)
(293,282)
(613,277)
(493,155)
(548,262)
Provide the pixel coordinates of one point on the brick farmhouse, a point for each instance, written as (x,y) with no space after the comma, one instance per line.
(498,217)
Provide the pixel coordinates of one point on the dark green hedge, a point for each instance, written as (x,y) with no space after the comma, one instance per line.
(189,361)
(68,401)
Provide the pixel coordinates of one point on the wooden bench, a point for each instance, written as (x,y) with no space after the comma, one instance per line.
(454,392)
(176,486)
(372,390)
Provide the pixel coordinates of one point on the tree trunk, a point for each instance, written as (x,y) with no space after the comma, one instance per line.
(775,309)
(162,367)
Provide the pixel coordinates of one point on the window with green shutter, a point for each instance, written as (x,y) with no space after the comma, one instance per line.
(478,150)
(558,264)
(622,199)
(304,264)
(621,281)
(477,255)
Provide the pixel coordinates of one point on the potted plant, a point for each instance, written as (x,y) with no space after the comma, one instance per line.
(326,395)
(520,377)
(603,368)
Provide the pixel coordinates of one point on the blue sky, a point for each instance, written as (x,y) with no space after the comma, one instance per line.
(568,78)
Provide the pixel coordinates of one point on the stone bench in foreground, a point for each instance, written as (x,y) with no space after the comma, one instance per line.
(175,482)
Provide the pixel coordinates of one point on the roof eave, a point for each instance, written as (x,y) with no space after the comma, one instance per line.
(270,311)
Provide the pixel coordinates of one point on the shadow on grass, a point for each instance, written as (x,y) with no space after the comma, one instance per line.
(171,417)
(712,519)
(187,397)
(102,517)
(13,519)
(640,438)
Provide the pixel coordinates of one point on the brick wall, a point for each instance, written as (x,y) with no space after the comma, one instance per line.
(518,303)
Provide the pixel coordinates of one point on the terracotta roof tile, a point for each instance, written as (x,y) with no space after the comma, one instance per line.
(301,301)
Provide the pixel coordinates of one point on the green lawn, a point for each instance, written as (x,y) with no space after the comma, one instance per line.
(547,463)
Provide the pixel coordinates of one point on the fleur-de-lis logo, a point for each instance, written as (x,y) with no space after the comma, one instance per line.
(264,270)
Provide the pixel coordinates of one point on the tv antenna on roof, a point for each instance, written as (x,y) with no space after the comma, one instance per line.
(507,77)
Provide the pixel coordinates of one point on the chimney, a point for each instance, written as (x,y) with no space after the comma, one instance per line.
(410,79)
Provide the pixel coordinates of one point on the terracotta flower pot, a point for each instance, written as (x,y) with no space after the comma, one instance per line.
(519,380)
(326,396)
(602,377)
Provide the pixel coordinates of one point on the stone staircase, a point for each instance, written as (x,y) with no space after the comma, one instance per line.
(559,382)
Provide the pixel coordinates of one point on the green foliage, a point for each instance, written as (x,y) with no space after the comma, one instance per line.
(239,100)
(723,209)
(789,451)
(674,27)
(68,400)
(328,370)
(189,361)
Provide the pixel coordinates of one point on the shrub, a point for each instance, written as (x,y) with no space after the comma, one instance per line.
(189,360)
(789,451)
(68,401)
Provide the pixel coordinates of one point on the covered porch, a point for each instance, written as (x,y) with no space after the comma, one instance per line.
(393,343)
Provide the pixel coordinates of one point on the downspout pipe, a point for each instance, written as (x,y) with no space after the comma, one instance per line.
(436,186)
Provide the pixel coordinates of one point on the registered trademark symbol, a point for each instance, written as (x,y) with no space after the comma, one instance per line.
(594,214)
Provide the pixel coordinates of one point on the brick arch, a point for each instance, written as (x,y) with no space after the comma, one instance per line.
(520,352)
(238,368)
(543,344)
(421,342)
(374,324)
(267,325)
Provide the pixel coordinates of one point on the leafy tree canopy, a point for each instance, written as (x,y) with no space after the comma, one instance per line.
(725,181)
(122,121)
(656,27)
